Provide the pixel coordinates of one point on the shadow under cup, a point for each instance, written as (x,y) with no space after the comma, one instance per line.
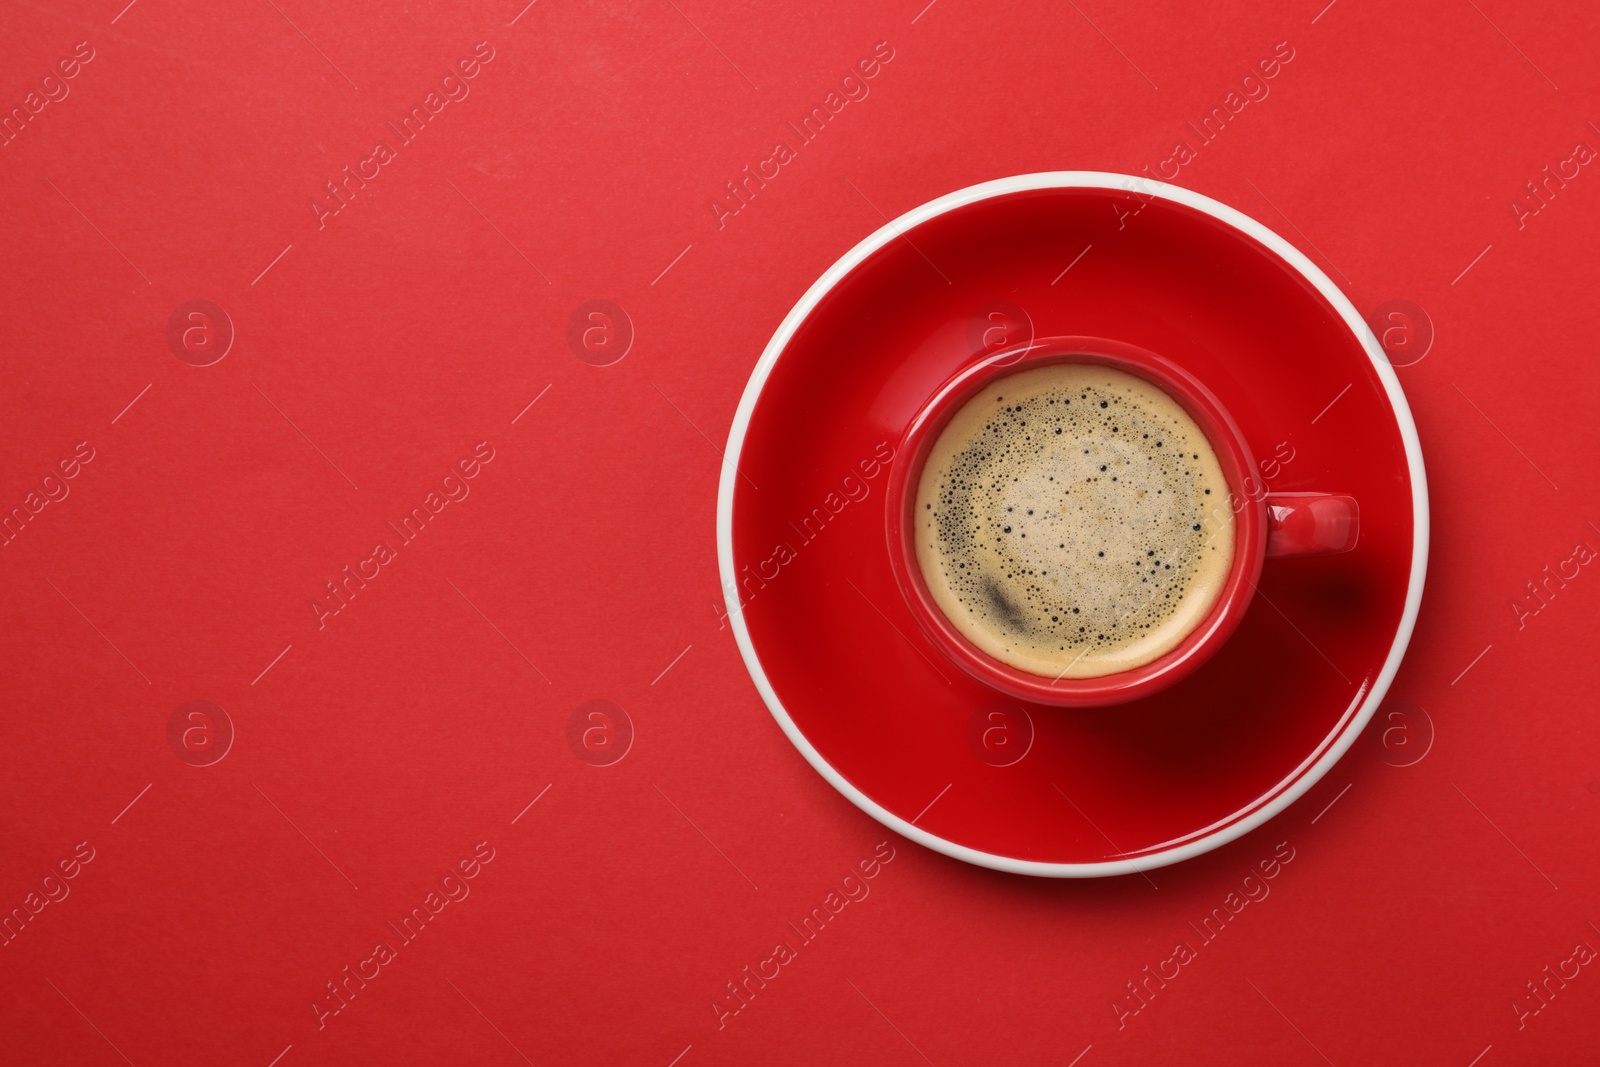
(1302,524)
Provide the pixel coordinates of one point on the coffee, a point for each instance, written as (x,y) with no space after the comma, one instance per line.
(1072,521)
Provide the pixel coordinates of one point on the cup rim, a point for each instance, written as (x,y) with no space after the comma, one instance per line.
(1317,765)
(1226,440)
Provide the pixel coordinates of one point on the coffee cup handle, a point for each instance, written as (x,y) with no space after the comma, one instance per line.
(1311,524)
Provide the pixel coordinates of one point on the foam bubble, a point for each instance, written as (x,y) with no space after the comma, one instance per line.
(1066,521)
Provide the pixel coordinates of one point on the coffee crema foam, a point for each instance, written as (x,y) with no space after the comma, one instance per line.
(1072,521)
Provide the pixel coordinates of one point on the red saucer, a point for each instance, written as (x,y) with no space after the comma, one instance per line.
(905,733)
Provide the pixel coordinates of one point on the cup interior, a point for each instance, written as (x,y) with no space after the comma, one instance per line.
(1245,497)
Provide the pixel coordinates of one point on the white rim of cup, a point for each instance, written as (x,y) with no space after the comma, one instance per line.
(1304,777)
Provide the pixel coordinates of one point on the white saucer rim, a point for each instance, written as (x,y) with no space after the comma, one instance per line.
(1140,187)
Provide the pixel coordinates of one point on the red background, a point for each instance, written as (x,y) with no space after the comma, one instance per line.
(378,751)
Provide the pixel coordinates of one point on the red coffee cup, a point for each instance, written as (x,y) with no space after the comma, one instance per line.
(1266,525)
